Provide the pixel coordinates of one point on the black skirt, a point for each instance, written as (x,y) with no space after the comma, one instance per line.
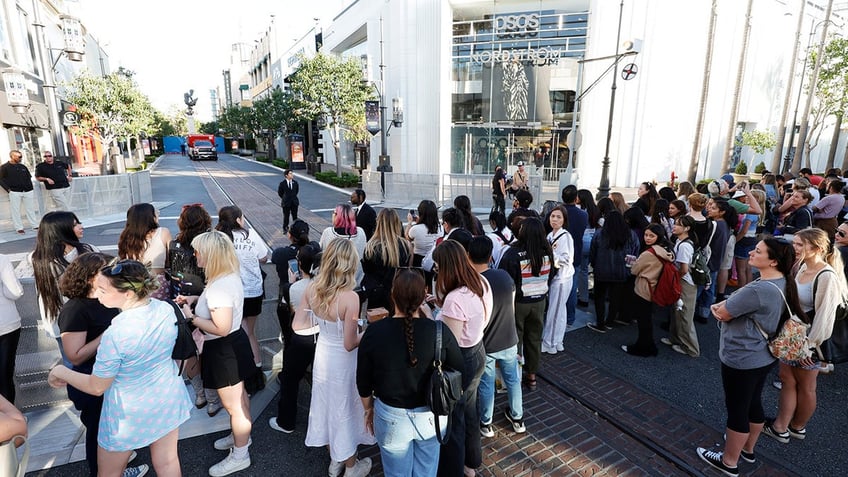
(226,361)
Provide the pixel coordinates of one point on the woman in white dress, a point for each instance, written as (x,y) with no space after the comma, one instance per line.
(336,414)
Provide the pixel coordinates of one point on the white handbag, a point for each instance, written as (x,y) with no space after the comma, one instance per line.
(10,465)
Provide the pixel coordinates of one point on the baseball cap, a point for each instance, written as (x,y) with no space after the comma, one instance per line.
(715,187)
(729,179)
(520,163)
(298,228)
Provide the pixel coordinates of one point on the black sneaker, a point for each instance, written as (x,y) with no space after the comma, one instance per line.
(517,424)
(714,459)
(486,430)
(748,457)
(597,328)
(769,430)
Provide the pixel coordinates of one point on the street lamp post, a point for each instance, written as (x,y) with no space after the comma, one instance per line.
(604,187)
(385,164)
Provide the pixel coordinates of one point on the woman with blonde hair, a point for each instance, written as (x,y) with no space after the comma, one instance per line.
(144,240)
(620,203)
(134,373)
(336,414)
(384,253)
(821,287)
(226,359)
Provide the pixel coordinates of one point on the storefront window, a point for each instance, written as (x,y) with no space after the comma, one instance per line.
(514,84)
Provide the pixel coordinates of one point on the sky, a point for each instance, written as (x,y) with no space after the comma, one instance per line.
(177,45)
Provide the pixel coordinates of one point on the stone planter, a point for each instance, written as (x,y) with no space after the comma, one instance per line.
(737,178)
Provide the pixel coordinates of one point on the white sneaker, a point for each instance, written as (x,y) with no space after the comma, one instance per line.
(360,469)
(273,423)
(228,442)
(229,465)
(132,456)
(336,468)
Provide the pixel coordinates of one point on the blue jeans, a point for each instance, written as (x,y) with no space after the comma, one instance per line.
(571,307)
(582,268)
(706,296)
(508,362)
(407,440)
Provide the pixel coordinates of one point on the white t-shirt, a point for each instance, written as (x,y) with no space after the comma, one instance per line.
(250,249)
(358,240)
(422,241)
(224,292)
(683,252)
(498,244)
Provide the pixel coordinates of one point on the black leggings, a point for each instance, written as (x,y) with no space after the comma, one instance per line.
(8,350)
(743,389)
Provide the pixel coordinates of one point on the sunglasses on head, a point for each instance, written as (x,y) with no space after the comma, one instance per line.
(115,268)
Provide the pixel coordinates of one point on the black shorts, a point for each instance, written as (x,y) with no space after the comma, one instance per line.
(227,360)
(252,306)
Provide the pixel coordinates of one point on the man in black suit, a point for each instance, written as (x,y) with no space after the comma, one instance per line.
(365,215)
(287,191)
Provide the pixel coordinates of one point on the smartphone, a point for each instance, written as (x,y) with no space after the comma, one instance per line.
(295,269)
(413,213)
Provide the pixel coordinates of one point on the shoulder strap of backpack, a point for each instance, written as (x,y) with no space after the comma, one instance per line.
(558,236)
(712,232)
(500,234)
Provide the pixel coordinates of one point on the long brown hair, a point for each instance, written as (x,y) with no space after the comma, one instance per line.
(386,243)
(455,270)
(408,291)
(141,220)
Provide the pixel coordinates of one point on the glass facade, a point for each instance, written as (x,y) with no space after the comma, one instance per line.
(514,79)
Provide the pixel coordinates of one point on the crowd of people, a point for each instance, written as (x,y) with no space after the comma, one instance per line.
(360,307)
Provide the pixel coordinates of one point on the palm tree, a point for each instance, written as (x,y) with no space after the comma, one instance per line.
(737,89)
(781,132)
(705,89)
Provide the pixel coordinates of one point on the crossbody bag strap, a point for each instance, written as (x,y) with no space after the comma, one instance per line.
(712,232)
(437,355)
(765,335)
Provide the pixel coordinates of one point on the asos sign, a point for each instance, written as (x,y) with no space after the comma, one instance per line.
(512,24)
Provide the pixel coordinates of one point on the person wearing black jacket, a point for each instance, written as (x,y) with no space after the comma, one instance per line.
(288,190)
(16,179)
(608,253)
(366,217)
(393,372)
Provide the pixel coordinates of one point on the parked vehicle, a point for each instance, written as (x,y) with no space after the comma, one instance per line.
(201,146)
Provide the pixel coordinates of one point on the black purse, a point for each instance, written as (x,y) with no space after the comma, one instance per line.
(184,346)
(445,388)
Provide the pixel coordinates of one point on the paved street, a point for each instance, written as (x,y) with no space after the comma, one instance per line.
(597,410)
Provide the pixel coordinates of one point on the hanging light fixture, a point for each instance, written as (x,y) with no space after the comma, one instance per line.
(74,37)
(16,91)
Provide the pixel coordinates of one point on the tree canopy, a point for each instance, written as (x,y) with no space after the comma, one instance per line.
(331,87)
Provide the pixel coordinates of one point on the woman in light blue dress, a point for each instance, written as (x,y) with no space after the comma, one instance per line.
(145,400)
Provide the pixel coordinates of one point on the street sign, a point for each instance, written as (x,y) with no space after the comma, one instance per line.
(629,71)
(70,118)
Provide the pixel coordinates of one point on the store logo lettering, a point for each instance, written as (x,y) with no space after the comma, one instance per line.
(516,25)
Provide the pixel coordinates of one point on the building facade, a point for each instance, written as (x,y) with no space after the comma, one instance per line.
(488,82)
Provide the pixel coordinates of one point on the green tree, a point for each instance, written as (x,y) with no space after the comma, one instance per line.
(272,115)
(209,128)
(831,93)
(331,87)
(111,106)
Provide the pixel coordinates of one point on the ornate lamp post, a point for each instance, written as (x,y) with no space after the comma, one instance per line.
(16,91)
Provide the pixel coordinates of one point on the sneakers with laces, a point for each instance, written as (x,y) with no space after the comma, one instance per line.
(360,469)
(336,468)
(748,457)
(666,341)
(486,430)
(228,442)
(138,471)
(715,459)
(517,424)
(229,465)
(132,456)
(769,430)
(597,328)
(273,423)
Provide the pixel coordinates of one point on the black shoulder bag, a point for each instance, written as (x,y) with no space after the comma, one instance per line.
(445,388)
(184,346)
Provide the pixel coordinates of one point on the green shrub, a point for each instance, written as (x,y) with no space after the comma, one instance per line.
(760,168)
(262,158)
(345,180)
(741,168)
(282,164)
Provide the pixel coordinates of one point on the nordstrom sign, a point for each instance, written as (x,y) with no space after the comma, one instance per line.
(534,56)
